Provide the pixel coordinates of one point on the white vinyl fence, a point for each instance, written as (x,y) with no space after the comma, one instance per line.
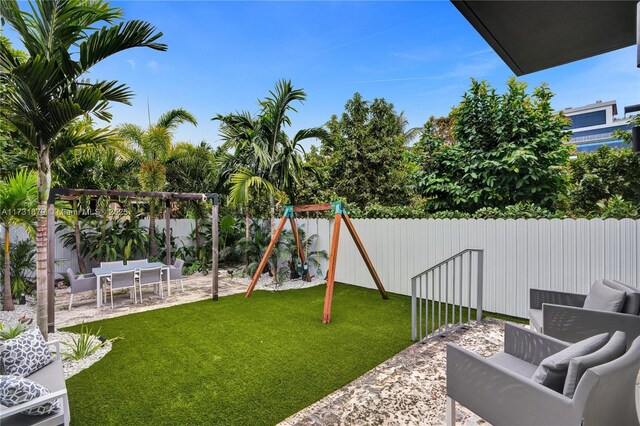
(564,255)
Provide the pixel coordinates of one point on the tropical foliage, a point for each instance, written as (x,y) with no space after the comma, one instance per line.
(601,175)
(150,149)
(18,200)
(22,267)
(49,90)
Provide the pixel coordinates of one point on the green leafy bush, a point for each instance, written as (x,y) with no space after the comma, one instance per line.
(22,259)
(516,211)
(618,208)
(506,148)
(603,174)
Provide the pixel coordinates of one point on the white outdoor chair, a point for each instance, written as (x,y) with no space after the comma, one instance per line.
(80,284)
(122,280)
(116,263)
(137,262)
(176,274)
(151,276)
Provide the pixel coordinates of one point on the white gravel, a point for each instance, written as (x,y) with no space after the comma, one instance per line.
(70,367)
(267,283)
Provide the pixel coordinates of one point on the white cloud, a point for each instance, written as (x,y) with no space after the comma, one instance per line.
(132,64)
(153,66)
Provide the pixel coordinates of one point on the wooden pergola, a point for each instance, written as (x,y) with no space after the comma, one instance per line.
(115,195)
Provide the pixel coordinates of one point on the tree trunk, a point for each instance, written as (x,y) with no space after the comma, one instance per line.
(44,185)
(8,297)
(76,233)
(198,242)
(247,231)
(272,211)
(153,246)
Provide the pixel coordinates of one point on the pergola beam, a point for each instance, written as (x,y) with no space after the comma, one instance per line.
(137,194)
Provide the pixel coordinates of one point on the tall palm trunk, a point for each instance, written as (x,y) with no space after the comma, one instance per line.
(44,185)
(272,222)
(153,245)
(76,234)
(8,298)
(247,231)
(198,241)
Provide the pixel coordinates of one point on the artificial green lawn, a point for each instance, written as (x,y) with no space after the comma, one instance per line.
(237,361)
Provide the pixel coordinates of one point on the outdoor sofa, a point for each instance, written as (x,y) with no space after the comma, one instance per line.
(51,377)
(564,316)
(501,388)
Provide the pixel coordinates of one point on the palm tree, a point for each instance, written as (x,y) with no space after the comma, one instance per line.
(49,90)
(190,169)
(84,167)
(18,200)
(264,156)
(150,149)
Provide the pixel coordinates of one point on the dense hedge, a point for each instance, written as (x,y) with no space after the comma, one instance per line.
(516,211)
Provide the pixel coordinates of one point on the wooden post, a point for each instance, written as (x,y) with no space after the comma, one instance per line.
(294,228)
(214,256)
(333,256)
(365,256)
(167,232)
(265,258)
(51,267)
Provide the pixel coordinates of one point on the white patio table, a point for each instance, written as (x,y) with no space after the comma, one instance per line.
(103,272)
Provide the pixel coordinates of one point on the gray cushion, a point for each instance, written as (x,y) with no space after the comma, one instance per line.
(25,353)
(604,298)
(513,363)
(552,371)
(631,303)
(535,318)
(615,348)
(16,390)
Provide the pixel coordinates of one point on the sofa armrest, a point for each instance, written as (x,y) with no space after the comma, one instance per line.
(10,411)
(54,345)
(529,345)
(573,324)
(537,297)
(501,396)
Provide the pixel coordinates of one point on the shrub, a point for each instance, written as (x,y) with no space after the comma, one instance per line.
(86,344)
(516,211)
(617,208)
(603,174)
(12,331)
(22,260)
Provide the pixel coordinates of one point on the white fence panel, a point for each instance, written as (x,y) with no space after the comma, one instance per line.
(564,255)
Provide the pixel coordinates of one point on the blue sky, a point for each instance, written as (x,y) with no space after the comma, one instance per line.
(223,56)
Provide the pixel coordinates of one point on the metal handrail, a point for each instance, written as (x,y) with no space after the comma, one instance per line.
(437,265)
(422,297)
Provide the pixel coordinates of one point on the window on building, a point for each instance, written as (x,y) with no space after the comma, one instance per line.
(588,119)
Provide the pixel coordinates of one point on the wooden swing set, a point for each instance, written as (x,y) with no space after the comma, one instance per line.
(340,215)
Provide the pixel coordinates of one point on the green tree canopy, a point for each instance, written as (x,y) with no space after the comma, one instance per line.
(603,174)
(507,149)
(368,143)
